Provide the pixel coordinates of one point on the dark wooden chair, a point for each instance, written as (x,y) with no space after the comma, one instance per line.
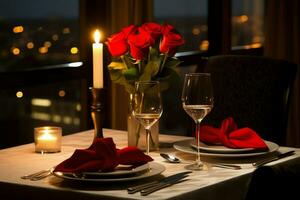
(255,91)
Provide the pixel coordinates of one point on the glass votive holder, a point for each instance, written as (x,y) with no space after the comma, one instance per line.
(47,139)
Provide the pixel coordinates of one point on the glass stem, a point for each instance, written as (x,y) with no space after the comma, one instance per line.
(198,161)
(138,130)
(148,133)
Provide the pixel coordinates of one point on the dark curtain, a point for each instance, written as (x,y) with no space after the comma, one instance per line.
(282,41)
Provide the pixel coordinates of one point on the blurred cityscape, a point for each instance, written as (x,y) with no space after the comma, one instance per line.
(33,43)
(36,43)
(46,39)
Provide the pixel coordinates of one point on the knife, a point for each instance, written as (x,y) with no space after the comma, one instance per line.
(162,185)
(268,160)
(132,190)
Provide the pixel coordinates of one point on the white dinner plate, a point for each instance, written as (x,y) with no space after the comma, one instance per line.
(185,146)
(219,148)
(121,170)
(153,170)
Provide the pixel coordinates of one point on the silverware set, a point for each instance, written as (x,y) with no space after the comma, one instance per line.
(148,188)
(173,159)
(271,159)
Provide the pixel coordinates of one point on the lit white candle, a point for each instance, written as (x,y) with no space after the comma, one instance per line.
(97,61)
(47,139)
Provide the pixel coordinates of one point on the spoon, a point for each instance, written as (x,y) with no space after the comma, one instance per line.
(170,158)
(173,159)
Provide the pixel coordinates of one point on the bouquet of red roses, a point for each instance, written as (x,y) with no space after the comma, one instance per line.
(143,53)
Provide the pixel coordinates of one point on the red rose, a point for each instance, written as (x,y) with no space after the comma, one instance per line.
(170,42)
(154,29)
(167,28)
(139,43)
(117,44)
(129,29)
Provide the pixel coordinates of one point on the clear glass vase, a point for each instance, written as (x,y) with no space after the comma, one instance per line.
(137,134)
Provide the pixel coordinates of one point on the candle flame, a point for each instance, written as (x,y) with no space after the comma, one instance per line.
(46,136)
(97,36)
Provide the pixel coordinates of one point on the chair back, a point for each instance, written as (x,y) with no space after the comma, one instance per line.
(255,91)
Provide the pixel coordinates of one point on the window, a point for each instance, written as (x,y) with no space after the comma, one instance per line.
(22,109)
(247,23)
(36,33)
(189,18)
(41,40)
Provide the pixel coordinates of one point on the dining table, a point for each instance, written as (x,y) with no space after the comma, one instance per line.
(210,183)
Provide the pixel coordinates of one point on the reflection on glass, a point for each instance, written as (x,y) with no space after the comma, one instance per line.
(24,108)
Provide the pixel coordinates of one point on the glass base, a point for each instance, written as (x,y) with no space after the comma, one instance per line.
(137,137)
(197,166)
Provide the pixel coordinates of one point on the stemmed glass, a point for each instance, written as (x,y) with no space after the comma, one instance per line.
(147,106)
(197,101)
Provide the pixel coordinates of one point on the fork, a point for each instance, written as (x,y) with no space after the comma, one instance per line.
(38,175)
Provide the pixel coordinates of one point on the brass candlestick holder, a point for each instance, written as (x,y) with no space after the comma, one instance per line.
(97,110)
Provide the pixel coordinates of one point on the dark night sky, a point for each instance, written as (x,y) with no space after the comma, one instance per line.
(69,8)
(38,8)
(180,8)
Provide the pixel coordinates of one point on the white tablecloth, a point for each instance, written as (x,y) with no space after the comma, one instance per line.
(211,183)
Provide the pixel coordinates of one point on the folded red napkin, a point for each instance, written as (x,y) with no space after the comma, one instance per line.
(102,155)
(230,136)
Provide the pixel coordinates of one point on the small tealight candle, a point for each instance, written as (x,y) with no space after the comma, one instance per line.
(47,139)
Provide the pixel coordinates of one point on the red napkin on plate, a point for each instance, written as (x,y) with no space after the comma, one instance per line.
(102,155)
(230,136)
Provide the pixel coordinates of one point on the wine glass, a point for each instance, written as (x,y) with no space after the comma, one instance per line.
(197,100)
(147,106)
